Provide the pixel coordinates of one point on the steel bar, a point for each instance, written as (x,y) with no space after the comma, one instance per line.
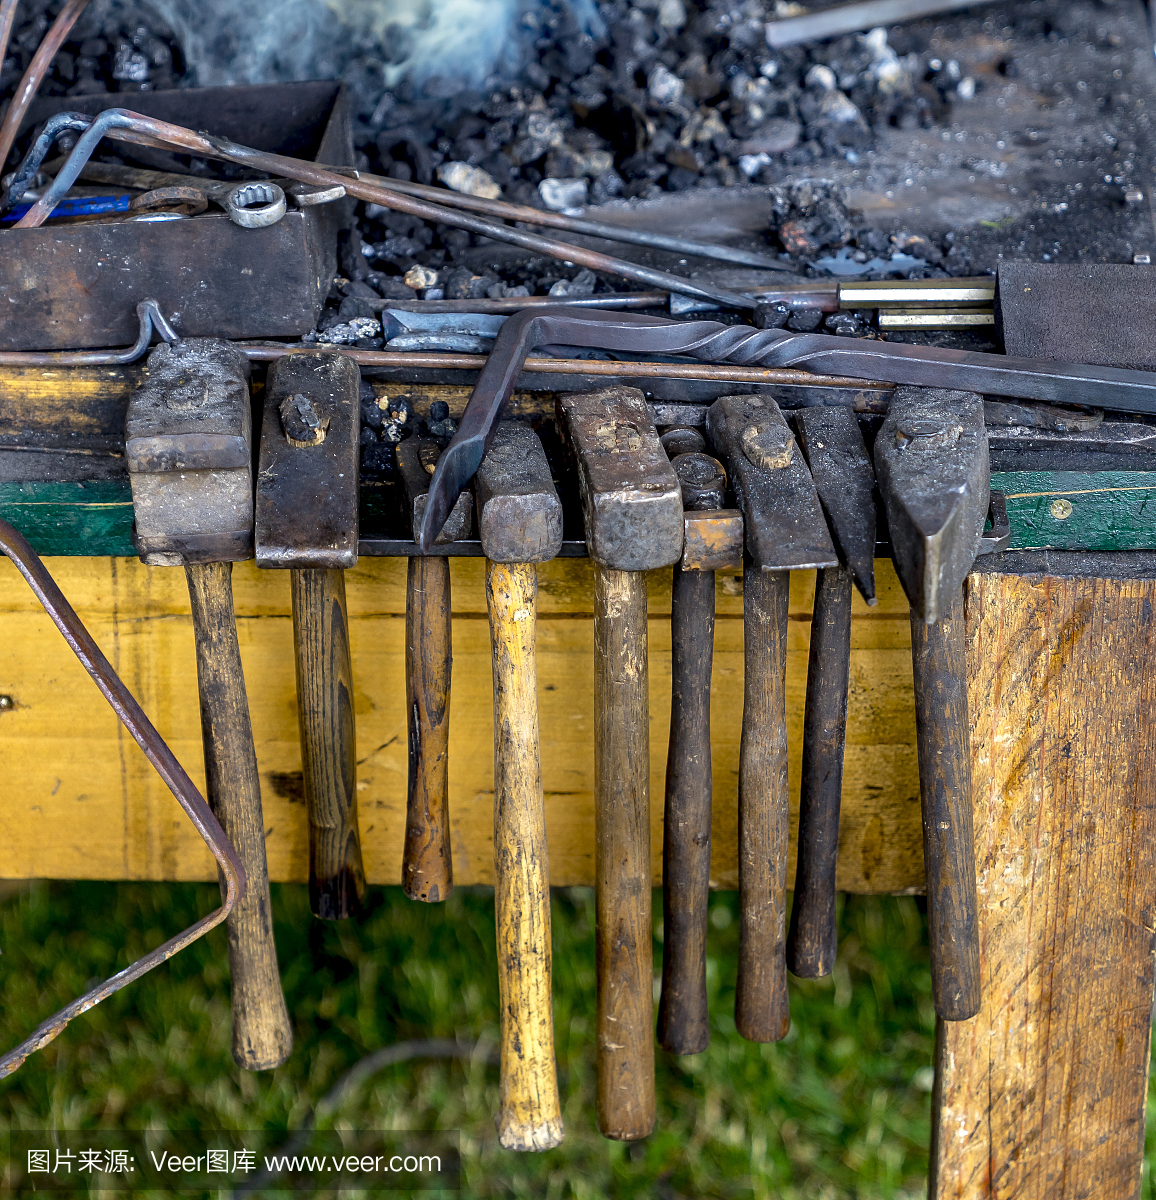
(935,318)
(581,225)
(7,20)
(512,304)
(902,293)
(37,69)
(130,126)
(992,374)
(81,643)
(855,18)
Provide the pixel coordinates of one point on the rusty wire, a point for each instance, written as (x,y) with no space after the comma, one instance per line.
(128,126)
(37,69)
(232,873)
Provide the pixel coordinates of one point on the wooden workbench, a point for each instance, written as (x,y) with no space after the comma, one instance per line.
(1042,1094)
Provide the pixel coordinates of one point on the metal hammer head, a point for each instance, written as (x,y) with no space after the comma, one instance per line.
(931,461)
(308,468)
(417,459)
(519,513)
(188,442)
(785,529)
(631,501)
(845,480)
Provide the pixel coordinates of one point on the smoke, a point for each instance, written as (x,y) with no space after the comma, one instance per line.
(443,46)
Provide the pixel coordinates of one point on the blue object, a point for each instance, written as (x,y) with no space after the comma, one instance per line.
(77,206)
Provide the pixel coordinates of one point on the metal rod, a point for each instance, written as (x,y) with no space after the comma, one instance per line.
(31,163)
(854,18)
(581,225)
(7,20)
(977,290)
(81,643)
(148,313)
(34,76)
(129,126)
(512,304)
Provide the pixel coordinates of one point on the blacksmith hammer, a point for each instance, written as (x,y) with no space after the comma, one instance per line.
(832,444)
(931,460)
(632,508)
(188,435)
(427,871)
(712,538)
(520,524)
(785,531)
(306,521)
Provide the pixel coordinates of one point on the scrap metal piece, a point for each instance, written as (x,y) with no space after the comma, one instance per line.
(416,457)
(1101,313)
(931,461)
(255,205)
(856,18)
(306,508)
(832,443)
(625,480)
(784,523)
(188,438)
(519,513)
(81,643)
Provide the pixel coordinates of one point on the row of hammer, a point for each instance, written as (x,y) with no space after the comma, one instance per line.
(803,498)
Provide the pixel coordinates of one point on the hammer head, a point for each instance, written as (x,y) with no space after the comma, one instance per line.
(519,513)
(188,442)
(417,458)
(784,524)
(631,501)
(308,471)
(931,460)
(845,480)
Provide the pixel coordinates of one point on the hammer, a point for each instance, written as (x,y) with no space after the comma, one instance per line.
(520,523)
(931,459)
(712,538)
(632,508)
(427,871)
(841,469)
(785,531)
(188,434)
(306,520)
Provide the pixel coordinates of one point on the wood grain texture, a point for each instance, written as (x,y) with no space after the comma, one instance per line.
(623,939)
(812,940)
(67,766)
(683,1020)
(1042,1094)
(427,871)
(761,1005)
(530,1113)
(262,1035)
(939,660)
(328,740)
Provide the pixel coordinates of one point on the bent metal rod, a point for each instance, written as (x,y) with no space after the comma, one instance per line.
(144,733)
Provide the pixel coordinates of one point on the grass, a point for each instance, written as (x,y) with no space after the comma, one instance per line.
(841,1108)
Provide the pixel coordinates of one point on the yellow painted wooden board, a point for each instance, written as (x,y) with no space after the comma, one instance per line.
(81,801)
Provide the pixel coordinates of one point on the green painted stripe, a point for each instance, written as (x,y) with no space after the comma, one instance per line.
(92,518)
(1110,510)
(1075,510)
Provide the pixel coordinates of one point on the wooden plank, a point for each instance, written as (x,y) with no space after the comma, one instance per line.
(1043,1093)
(82,802)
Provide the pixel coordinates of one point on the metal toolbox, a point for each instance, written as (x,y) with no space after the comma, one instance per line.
(76,285)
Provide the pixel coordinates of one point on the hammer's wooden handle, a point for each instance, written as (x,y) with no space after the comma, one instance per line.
(328,740)
(943,731)
(530,1117)
(426,866)
(624,955)
(761,1007)
(262,1036)
(683,1021)
(812,939)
